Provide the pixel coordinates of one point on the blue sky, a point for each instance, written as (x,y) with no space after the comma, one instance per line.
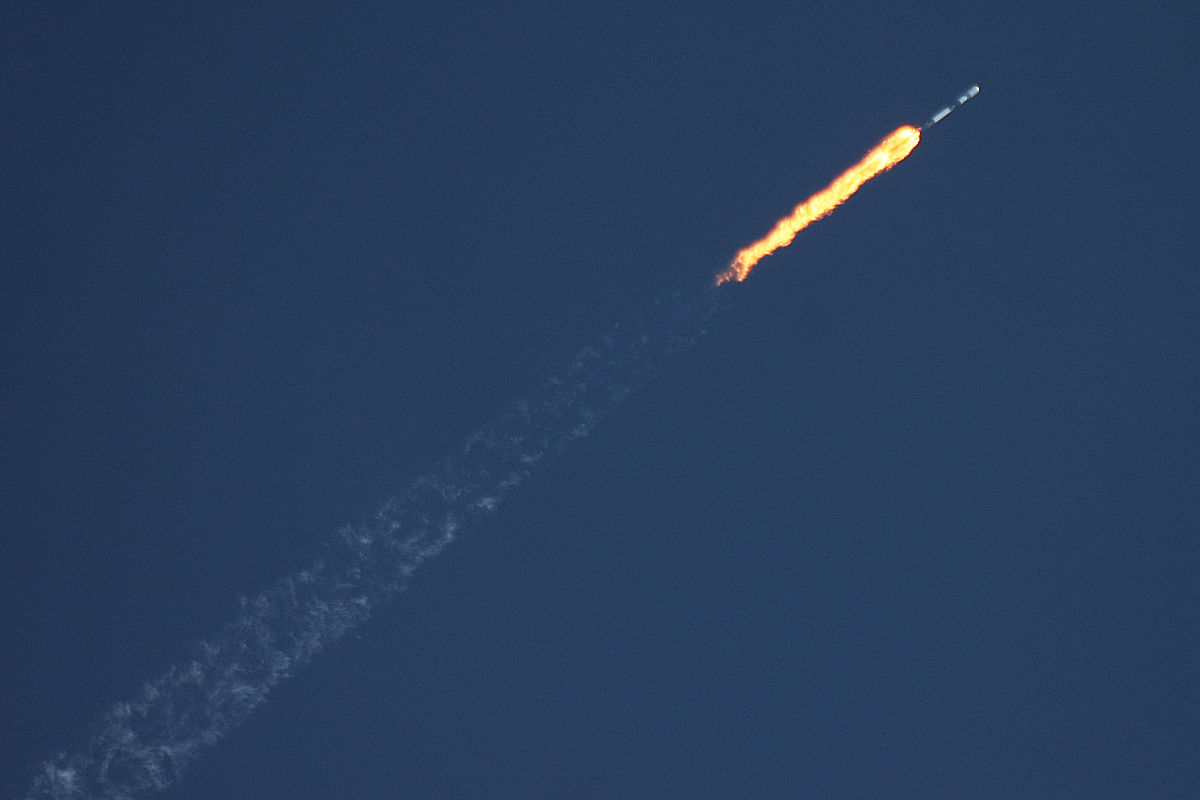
(916,518)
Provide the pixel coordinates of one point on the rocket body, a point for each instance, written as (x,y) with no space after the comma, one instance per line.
(941,115)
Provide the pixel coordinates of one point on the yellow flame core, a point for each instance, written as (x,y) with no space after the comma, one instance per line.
(891,151)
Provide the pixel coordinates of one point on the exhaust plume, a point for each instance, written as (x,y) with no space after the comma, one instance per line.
(885,155)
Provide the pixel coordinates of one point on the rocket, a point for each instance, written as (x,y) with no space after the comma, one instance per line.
(939,116)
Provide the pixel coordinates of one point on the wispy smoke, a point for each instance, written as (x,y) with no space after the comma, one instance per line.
(141,746)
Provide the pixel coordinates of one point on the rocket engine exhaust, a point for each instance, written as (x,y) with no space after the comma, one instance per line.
(885,155)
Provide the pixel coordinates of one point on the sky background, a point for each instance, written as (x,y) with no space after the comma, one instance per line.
(919,518)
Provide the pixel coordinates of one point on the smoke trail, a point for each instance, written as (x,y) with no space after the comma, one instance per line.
(142,746)
(885,155)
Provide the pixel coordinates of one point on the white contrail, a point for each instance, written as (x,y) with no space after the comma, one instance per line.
(141,746)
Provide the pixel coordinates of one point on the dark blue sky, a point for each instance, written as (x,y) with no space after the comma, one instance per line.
(919,518)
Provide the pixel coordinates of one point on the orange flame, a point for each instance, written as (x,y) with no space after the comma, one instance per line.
(891,151)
